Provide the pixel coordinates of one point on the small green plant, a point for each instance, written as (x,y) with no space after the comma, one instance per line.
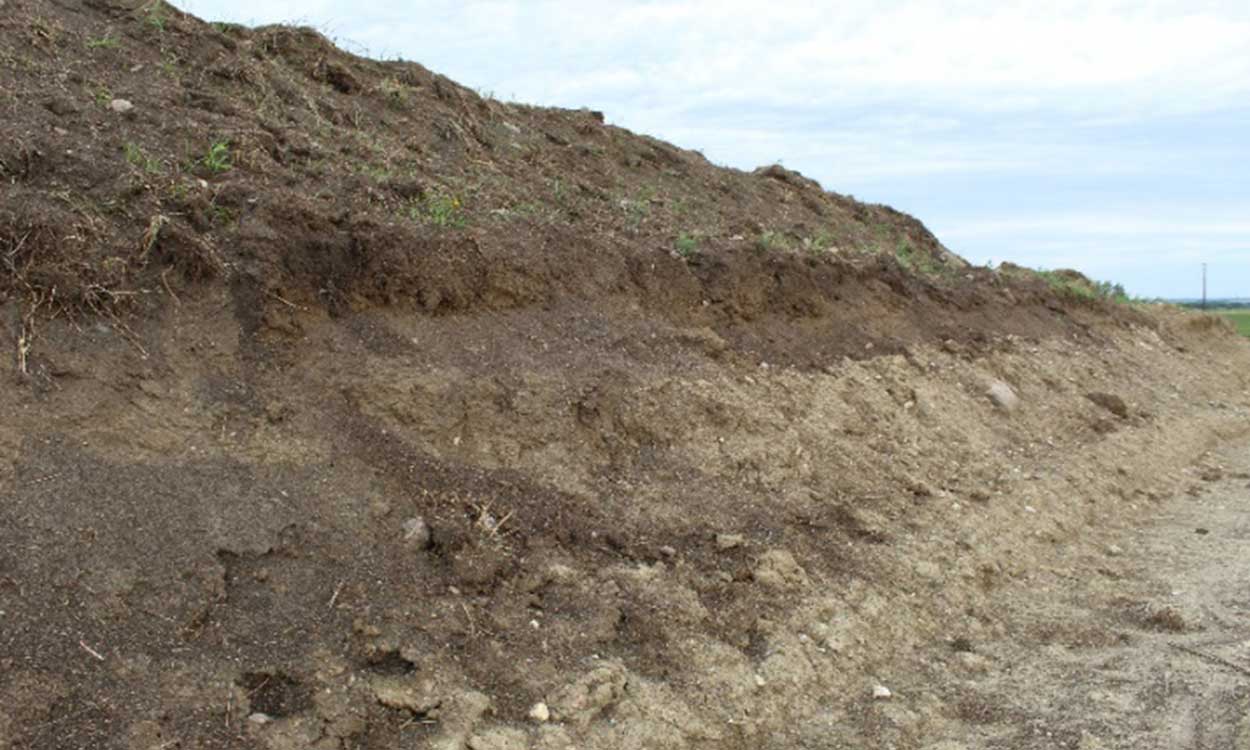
(154,15)
(217,158)
(137,157)
(916,261)
(1074,285)
(1071,284)
(108,41)
(102,96)
(394,92)
(220,216)
(905,254)
(770,240)
(636,212)
(686,246)
(439,209)
(819,243)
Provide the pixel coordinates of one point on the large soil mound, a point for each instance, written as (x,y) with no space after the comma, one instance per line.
(349,409)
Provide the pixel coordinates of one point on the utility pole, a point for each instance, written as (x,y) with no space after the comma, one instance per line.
(1204,286)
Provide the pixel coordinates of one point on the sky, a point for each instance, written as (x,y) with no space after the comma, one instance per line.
(1111,137)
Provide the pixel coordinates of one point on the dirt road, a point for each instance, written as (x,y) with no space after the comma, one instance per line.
(1142,640)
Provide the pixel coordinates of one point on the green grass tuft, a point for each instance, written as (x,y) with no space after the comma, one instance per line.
(439,209)
(686,246)
(108,41)
(217,158)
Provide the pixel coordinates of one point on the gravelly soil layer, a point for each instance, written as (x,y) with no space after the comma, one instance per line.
(420,410)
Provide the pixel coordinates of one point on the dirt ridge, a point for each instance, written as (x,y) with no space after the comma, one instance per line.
(411,418)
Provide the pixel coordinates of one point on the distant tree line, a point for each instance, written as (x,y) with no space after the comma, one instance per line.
(1221,304)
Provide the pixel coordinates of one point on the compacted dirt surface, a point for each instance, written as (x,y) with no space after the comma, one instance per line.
(1137,638)
(344,408)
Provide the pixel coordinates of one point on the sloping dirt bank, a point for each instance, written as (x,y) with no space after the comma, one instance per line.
(349,409)
(417,529)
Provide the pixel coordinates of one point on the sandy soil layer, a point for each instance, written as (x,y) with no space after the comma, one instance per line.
(1138,638)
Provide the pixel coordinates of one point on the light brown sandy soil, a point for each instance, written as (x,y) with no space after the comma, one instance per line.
(193,546)
(1139,638)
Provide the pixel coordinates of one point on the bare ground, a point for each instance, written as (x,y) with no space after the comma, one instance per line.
(1139,638)
(347,409)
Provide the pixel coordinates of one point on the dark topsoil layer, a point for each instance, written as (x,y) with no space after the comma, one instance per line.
(266,185)
(341,183)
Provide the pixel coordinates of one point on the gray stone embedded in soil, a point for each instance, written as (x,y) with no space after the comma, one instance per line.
(417,533)
(121,106)
(1003,396)
(726,542)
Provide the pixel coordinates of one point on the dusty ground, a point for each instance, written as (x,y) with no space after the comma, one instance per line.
(1139,638)
(405,536)
(417,419)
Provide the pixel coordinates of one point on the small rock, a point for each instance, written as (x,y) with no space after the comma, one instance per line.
(668,551)
(726,542)
(259,718)
(61,106)
(760,681)
(1114,551)
(1003,396)
(121,106)
(882,693)
(417,533)
(406,694)
(540,712)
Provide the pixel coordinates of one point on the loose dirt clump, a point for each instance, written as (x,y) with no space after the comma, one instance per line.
(347,408)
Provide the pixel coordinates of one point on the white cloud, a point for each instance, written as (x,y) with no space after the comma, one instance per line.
(1236,228)
(1094,58)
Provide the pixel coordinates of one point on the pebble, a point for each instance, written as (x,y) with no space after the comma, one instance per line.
(668,551)
(121,106)
(1003,396)
(417,532)
(882,693)
(540,712)
(726,542)
(259,718)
